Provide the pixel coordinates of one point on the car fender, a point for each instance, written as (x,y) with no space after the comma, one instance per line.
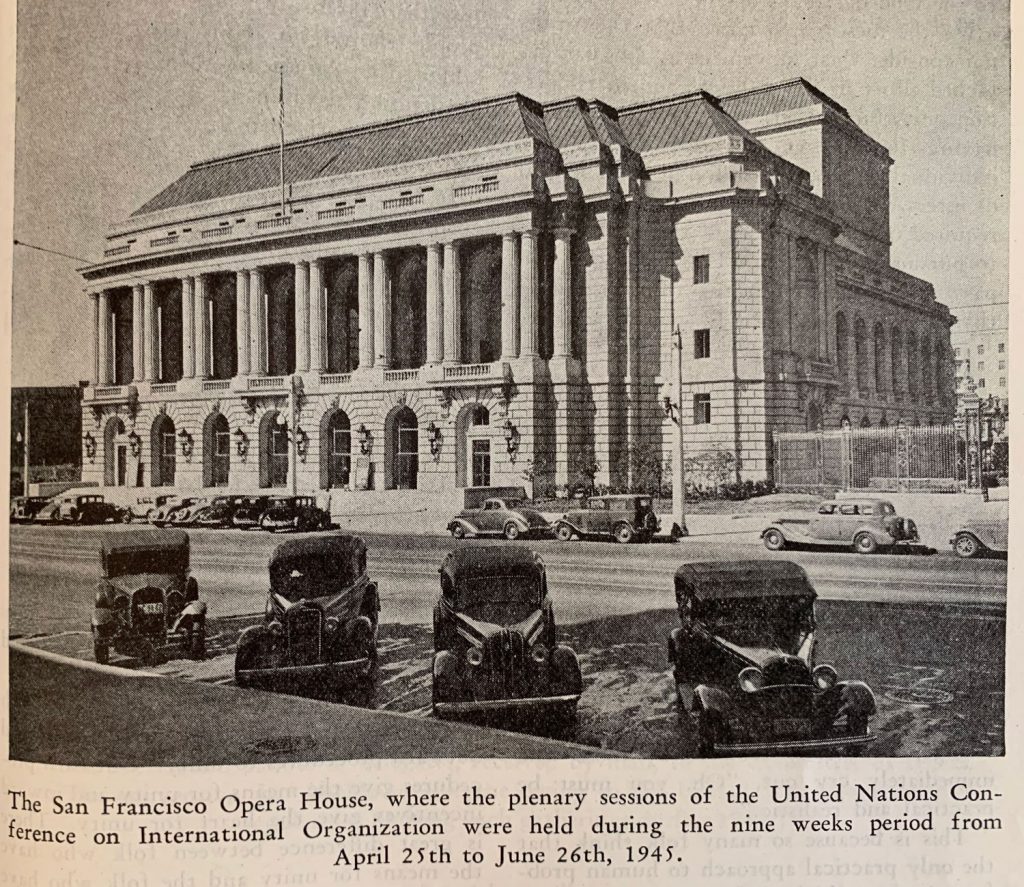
(445,665)
(465,524)
(856,697)
(574,525)
(714,700)
(251,635)
(881,536)
(777,527)
(193,612)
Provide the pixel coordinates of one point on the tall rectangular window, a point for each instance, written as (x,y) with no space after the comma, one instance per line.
(701,344)
(1002,347)
(701,269)
(981,383)
(702,409)
(981,349)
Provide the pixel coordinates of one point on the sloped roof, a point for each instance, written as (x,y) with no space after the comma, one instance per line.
(478,125)
(680,120)
(568,123)
(779,97)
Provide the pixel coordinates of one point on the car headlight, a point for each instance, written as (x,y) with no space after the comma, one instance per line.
(825,677)
(275,627)
(751,679)
(539,653)
(474,656)
(332,624)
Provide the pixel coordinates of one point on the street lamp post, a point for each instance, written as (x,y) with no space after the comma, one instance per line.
(24,438)
(679,468)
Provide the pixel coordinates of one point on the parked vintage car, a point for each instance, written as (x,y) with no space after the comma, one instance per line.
(50,512)
(622,518)
(219,512)
(320,624)
(494,638)
(144,507)
(864,524)
(89,508)
(25,508)
(164,514)
(294,513)
(187,514)
(146,598)
(744,664)
(497,511)
(976,537)
(247,515)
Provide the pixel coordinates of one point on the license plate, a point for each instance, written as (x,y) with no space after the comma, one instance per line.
(152,609)
(791,727)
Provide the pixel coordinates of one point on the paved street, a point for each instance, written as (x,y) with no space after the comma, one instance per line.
(899,622)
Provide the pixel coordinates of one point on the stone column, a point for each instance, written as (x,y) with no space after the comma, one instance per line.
(96,331)
(150,334)
(138,346)
(257,323)
(316,315)
(435,305)
(452,285)
(381,311)
(202,324)
(562,320)
(510,295)
(528,295)
(301,317)
(242,321)
(366,333)
(188,337)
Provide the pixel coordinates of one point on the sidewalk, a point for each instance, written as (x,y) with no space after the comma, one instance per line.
(100,716)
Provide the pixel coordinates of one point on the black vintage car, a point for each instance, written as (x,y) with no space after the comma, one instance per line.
(622,518)
(294,513)
(744,664)
(320,625)
(220,512)
(145,598)
(25,508)
(247,515)
(494,638)
(89,508)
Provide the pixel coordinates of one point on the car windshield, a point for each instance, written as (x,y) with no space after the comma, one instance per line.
(886,508)
(310,577)
(765,623)
(482,590)
(515,503)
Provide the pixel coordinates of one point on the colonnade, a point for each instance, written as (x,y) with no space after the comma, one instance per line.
(520,313)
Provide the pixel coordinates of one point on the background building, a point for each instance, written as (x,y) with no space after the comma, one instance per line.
(980,343)
(490,293)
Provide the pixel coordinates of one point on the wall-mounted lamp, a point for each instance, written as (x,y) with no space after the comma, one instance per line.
(186,444)
(511,439)
(365,440)
(301,443)
(434,438)
(90,447)
(241,443)
(135,444)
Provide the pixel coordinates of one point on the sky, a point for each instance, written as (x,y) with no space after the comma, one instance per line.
(116,99)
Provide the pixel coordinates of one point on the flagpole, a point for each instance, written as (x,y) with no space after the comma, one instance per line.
(280,123)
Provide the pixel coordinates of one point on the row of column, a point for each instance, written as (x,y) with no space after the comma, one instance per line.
(916,371)
(519,321)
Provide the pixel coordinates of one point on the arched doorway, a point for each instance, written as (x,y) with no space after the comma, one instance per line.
(115,454)
(273,450)
(402,439)
(162,443)
(216,451)
(335,450)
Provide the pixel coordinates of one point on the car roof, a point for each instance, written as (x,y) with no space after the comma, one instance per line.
(718,580)
(143,540)
(335,545)
(491,560)
(851,501)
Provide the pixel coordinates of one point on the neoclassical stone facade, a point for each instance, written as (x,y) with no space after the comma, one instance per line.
(490,294)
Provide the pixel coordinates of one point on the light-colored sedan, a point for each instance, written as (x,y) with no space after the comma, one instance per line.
(978,536)
(863,524)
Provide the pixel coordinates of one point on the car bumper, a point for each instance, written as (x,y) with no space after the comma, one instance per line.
(337,669)
(792,746)
(443,709)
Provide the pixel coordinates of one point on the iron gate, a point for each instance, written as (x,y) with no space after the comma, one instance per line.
(942,458)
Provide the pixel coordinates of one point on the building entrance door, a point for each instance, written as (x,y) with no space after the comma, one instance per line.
(407,446)
(122,465)
(480,462)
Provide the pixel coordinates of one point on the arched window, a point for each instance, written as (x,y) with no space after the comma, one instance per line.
(865,422)
(402,443)
(861,356)
(912,367)
(216,451)
(163,444)
(896,354)
(880,351)
(842,349)
(926,367)
(335,450)
(814,420)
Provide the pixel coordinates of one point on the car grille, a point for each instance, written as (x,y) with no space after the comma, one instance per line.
(506,657)
(148,613)
(304,630)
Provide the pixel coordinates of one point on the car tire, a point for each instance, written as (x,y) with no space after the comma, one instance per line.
(966,545)
(563,532)
(458,531)
(704,727)
(858,726)
(864,543)
(511,531)
(623,534)
(126,517)
(247,657)
(774,540)
(197,642)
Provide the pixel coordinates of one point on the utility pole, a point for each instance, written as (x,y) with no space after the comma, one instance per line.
(679,468)
(24,479)
(293,437)
(280,123)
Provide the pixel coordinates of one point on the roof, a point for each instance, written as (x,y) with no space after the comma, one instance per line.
(777,98)
(679,120)
(717,580)
(333,545)
(143,540)
(490,560)
(477,125)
